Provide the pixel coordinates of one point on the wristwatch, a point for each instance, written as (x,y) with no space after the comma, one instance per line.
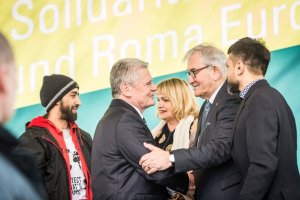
(172,158)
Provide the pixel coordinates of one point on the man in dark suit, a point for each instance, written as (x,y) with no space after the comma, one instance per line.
(264,144)
(118,141)
(215,175)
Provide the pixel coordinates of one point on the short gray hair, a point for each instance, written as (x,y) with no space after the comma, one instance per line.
(124,71)
(211,56)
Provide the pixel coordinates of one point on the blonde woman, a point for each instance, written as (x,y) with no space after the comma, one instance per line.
(177,108)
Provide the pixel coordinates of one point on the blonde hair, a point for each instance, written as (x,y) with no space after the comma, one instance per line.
(181,97)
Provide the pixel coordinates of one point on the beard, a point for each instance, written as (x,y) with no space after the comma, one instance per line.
(66,113)
(233,88)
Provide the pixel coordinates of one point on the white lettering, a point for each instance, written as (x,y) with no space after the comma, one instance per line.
(67,14)
(23,19)
(21,81)
(250,26)
(293,15)
(101,16)
(97,53)
(276,11)
(133,43)
(42,19)
(161,38)
(69,59)
(33,68)
(117,8)
(192,41)
(226,24)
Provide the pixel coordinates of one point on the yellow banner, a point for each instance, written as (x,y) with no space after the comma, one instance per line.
(83,38)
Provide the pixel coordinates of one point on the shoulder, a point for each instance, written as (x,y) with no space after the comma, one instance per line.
(85,135)
(32,133)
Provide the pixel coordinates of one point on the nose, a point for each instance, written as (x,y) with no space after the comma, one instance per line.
(159,104)
(153,87)
(191,79)
(77,101)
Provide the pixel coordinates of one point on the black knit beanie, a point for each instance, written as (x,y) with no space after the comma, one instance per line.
(54,88)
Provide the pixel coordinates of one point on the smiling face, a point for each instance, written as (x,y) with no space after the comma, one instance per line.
(203,80)
(142,90)
(69,105)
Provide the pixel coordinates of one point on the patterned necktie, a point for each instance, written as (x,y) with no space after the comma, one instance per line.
(201,123)
(204,114)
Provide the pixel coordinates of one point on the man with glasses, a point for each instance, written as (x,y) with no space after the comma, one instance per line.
(215,174)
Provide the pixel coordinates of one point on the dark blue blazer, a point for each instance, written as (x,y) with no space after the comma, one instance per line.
(264,146)
(217,178)
(117,149)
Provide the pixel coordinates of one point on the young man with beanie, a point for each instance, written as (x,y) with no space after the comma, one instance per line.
(62,150)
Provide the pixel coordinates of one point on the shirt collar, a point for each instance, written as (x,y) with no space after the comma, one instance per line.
(213,96)
(247,88)
(141,115)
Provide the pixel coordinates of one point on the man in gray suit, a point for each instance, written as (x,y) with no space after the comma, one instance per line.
(118,141)
(215,174)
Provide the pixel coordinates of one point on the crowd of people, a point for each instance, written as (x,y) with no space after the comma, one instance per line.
(240,145)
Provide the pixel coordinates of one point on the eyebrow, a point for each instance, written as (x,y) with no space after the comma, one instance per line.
(74,92)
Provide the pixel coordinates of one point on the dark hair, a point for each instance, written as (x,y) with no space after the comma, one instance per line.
(253,52)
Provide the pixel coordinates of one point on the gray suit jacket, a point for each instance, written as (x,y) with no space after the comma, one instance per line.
(216,176)
(117,149)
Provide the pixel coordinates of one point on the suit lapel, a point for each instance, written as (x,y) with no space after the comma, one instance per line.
(242,104)
(219,97)
(128,107)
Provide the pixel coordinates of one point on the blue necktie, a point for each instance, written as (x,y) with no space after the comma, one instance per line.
(144,121)
(204,114)
(202,123)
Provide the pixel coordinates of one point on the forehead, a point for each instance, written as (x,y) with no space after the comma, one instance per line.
(194,60)
(143,75)
(75,90)
(229,59)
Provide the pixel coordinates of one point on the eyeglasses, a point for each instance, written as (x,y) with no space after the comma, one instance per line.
(194,73)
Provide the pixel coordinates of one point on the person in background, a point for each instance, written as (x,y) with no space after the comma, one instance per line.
(62,150)
(119,136)
(264,144)
(177,108)
(216,176)
(18,177)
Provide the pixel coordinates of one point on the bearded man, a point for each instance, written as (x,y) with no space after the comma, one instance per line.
(62,150)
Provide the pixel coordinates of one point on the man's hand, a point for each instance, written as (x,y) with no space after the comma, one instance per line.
(156,160)
(191,181)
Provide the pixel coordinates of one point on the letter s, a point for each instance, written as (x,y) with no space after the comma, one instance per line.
(23,19)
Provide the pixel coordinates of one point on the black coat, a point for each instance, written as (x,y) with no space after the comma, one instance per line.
(264,146)
(117,149)
(50,161)
(19,178)
(217,178)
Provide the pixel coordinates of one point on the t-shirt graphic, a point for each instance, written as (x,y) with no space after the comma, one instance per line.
(78,180)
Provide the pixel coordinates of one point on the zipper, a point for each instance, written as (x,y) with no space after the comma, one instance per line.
(59,149)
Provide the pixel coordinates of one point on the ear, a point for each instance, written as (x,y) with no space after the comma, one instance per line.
(239,68)
(216,73)
(125,89)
